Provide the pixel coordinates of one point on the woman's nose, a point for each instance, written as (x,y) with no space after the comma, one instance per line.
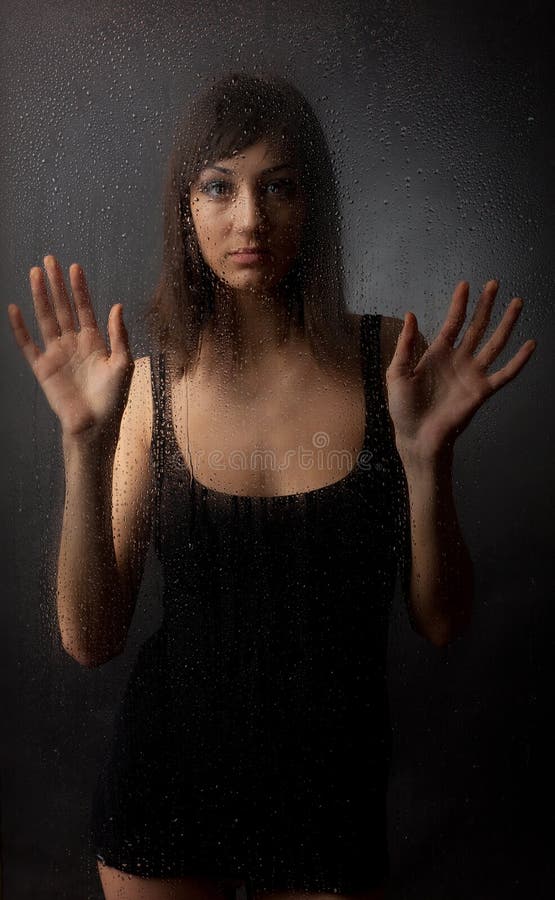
(248,209)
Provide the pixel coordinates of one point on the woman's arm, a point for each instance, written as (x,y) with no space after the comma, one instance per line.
(105,532)
(92,614)
(432,397)
(442,580)
(441,586)
(103,402)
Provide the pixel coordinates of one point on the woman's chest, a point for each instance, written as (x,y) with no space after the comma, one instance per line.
(285,440)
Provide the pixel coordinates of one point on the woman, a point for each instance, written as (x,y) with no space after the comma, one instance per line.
(252,745)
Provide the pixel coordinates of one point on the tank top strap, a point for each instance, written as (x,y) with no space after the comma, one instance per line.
(164,442)
(384,432)
(377,416)
(159,438)
(157,377)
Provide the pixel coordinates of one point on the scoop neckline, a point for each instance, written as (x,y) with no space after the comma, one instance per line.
(268,497)
(204,488)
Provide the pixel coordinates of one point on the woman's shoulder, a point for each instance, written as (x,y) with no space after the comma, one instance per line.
(142,374)
(139,407)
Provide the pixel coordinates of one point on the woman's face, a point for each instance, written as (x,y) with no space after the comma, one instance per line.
(251,199)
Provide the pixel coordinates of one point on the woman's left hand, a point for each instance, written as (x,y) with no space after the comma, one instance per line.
(433,403)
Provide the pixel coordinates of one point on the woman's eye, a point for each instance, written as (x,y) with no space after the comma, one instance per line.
(219,188)
(212,187)
(286,185)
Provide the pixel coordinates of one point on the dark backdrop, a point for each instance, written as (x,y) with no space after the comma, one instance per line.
(438,117)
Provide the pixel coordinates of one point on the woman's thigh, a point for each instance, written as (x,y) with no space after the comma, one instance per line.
(375,894)
(118,885)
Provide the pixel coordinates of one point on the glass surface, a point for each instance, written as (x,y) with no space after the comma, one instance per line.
(436,121)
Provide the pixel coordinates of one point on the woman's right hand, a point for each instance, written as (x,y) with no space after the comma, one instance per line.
(85,385)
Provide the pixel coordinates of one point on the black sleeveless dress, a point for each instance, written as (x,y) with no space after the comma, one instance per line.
(253,738)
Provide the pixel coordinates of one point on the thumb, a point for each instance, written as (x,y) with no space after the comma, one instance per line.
(119,339)
(401,362)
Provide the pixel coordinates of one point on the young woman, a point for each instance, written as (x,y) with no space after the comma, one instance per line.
(287,458)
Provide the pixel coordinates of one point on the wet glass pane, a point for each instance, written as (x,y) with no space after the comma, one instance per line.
(232,486)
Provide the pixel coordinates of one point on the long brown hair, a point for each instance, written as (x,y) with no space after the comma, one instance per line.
(233,113)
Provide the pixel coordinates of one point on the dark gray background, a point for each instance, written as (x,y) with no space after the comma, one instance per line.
(438,117)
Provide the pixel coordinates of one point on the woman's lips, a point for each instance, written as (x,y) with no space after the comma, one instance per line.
(250,257)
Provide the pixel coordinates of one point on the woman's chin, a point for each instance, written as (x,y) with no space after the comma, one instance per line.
(253,283)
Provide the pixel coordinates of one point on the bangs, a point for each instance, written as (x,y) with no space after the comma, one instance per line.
(249,111)
(230,141)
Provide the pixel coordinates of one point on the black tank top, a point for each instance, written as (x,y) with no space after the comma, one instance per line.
(262,696)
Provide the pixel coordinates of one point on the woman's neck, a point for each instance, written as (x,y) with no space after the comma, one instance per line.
(257,321)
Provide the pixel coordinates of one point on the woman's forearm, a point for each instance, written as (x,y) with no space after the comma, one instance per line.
(93,610)
(442,579)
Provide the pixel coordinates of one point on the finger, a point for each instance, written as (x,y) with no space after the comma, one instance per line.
(513,367)
(456,314)
(60,298)
(81,297)
(500,336)
(22,337)
(119,339)
(47,321)
(480,320)
(402,360)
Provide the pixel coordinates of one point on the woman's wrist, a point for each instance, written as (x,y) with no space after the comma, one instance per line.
(91,450)
(425,458)
(90,440)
